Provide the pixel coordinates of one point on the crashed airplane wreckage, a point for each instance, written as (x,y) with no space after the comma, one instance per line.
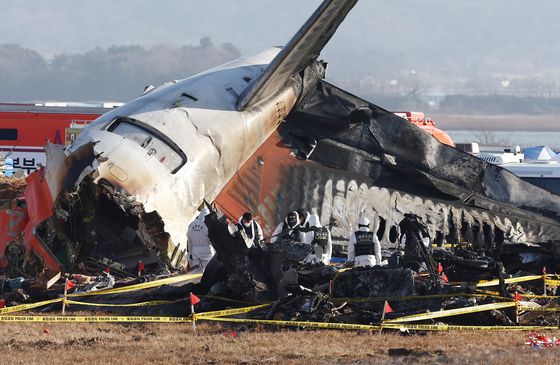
(296,291)
(281,288)
(264,134)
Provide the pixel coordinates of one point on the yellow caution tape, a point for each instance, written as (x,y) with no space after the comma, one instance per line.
(23,307)
(341,326)
(99,319)
(552,282)
(539,296)
(396,326)
(491,292)
(147,285)
(446,327)
(538,309)
(327,325)
(230,312)
(414,297)
(452,312)
(140,304)
(224,299)
(340,271)
(485,283)
(150,284)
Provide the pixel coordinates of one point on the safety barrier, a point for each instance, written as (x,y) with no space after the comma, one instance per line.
(23,307)
(229,312)
(399,323)
(416,297)
(521,279)
(124,289)
(141,286)
(395,326)
(140,304)
(452,312)
(99,319)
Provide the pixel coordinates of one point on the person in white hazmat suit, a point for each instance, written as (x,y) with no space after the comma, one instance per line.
(251,227)
(289,228)
(364,248)
(320,238)
(304,223)
(199,246)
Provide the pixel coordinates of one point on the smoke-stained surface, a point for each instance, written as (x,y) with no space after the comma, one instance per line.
(115,73)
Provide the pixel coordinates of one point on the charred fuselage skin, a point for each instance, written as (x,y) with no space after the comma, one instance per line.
(343,157)
(171,149)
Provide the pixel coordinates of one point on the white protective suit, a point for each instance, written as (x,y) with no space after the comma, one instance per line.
(277,232)
(320,254)
(252,228)
(364,260)
(304,223)
(199,247)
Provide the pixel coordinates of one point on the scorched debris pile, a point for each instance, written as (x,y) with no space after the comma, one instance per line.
(417,280)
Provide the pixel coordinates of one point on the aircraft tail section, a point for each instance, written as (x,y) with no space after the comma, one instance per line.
(301,50)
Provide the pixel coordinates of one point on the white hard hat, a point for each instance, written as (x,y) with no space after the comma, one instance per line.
(363,222)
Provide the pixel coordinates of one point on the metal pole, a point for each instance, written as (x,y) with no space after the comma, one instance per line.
(193,319)
(544,280)
(382,317)
(64,299)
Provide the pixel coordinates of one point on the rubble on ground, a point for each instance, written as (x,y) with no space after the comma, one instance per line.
(417,279)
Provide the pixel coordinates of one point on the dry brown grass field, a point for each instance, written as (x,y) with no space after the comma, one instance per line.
(100,343)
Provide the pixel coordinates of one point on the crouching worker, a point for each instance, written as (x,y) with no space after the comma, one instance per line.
(289,229)
(251,227)
(199,247)
(320,238)
(364,248)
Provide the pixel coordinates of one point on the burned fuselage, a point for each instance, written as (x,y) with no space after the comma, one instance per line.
(343,157)
(153,161)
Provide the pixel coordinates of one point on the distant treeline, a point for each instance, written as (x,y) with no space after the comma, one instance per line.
(120,73)
(116,73)
(499,104)
(464,104)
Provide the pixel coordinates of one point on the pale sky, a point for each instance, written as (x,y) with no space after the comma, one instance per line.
(433,27)
(438,41)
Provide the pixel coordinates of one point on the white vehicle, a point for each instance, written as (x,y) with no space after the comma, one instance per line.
(544,173)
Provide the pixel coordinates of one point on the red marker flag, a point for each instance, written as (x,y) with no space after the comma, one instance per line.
(194,299)
(140,266)
(517,297)
(69,284)
(2,303)
(388,308)
(108,269)
(444,277)
(439,268)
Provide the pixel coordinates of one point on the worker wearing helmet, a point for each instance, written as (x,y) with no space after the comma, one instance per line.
(289,228)
(199,247)
(320,238)
(364,248)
